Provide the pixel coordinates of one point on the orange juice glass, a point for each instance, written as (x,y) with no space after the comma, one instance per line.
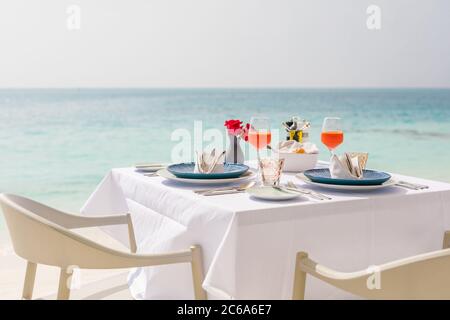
(332,135)
(332,139)
(259,139)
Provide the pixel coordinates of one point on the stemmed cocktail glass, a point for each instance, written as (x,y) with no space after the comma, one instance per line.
(332,135)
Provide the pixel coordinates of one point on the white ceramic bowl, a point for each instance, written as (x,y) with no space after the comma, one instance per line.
(298,162)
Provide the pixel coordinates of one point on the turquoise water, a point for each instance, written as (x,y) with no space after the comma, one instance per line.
(56,145)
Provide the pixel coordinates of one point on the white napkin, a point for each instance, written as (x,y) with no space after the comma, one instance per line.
(348,165)
(293,146)
(209,162)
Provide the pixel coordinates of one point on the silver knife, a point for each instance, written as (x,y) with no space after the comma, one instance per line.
(295,190)
(220,192)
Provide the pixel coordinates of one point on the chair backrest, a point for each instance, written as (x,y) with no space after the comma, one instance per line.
(425,276)
(38,235)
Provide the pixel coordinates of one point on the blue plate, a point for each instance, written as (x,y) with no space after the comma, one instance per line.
(186,171)
(370,178)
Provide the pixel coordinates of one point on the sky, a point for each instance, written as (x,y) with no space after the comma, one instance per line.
(224,43)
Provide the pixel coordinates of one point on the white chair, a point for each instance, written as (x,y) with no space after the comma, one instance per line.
(42,235)
(425,276)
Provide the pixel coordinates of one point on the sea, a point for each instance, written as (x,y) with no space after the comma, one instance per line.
(56,145)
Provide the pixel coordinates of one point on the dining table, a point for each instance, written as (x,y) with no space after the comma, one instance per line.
(249,245)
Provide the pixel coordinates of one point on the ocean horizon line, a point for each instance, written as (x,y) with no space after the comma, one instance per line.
(262,88)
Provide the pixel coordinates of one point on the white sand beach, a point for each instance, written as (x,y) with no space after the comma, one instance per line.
(93,284)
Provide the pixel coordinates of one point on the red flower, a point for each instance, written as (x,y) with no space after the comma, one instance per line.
(234,127)
(233,124)
(244,133)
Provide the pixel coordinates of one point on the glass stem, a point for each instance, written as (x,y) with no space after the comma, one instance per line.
(331,153)
(259,172)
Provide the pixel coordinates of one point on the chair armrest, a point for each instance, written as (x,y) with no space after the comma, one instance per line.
(71,221)
(446,242)
(305,263)
(147,260)
(93,255)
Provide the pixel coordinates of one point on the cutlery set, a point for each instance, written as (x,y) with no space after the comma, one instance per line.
(313,194)
(150,174)
(411,186)
(149,170)
(225,190)
(291,187)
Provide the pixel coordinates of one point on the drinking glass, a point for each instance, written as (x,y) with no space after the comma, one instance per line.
(270,170)
(259,136)
(332,135)
(259,132)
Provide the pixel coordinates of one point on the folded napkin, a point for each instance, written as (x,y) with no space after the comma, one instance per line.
(209,162)
(348,165)
(293,146)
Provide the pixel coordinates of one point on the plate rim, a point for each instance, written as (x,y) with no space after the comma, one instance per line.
(389,176)
(247,175)
(245,169)
(388,183)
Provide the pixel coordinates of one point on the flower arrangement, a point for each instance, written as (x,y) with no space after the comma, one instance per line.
(236,128)
(236,131)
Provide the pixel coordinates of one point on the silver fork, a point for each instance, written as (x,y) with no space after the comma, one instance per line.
(314,194)
(413,185)
(295,190)
(303,192)
(310,194)
(408,186)
(243,186)
(220,192)
(150,174)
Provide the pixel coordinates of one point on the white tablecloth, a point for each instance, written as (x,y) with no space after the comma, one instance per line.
(249,245)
